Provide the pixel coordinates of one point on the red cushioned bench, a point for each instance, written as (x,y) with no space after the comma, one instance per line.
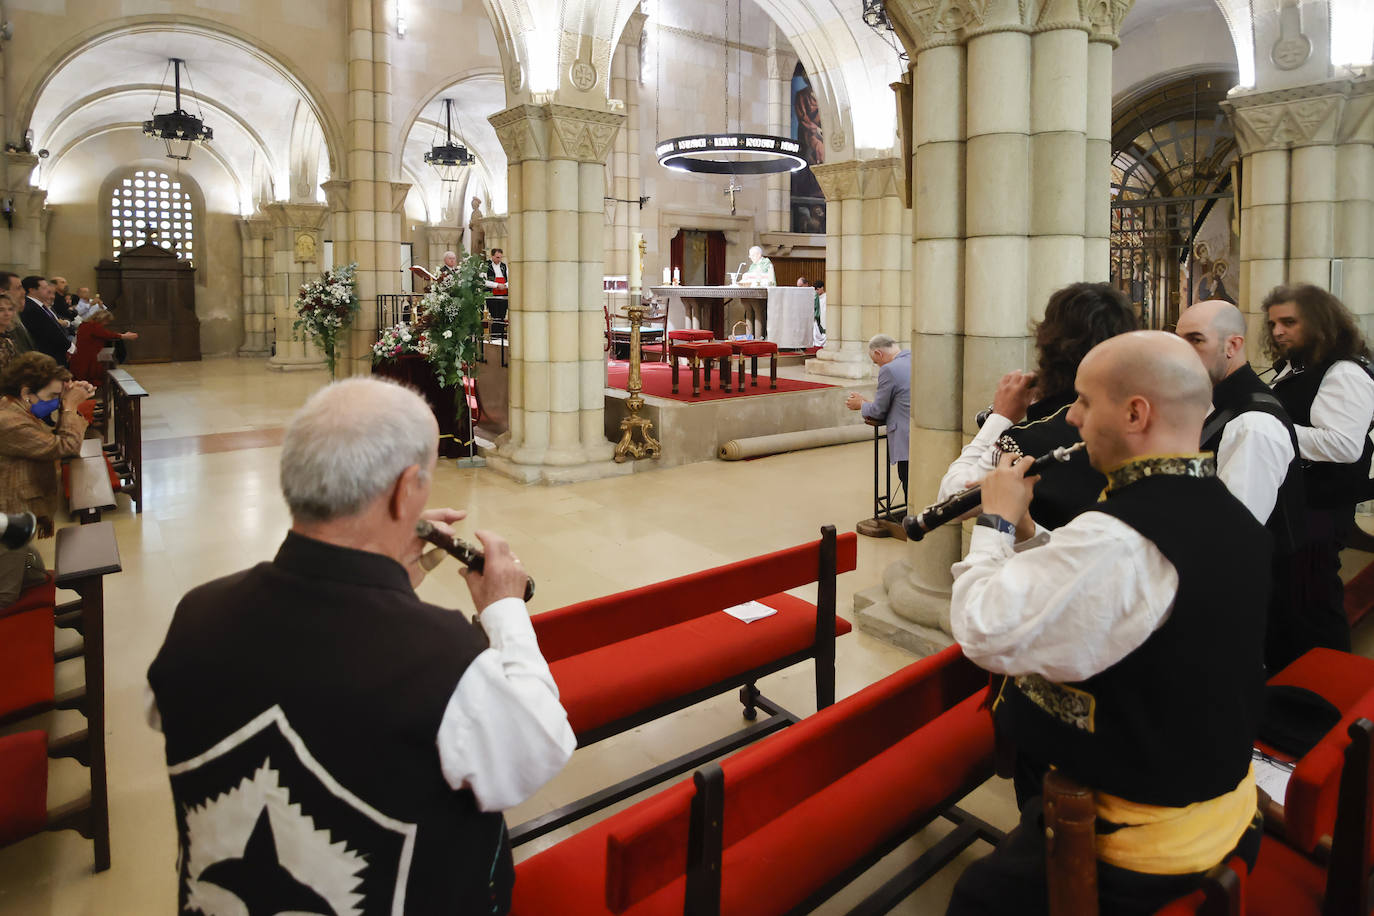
(784,824)
(632,657)
(752,350)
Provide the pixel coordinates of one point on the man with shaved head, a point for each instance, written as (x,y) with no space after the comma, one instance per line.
(1127,639)
(1257,458)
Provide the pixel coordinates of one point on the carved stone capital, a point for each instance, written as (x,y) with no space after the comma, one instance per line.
(399,190)
(838,180)
(336,193)
(253,228)
(553,131)
(494,227)
(18,167)
(1106,17)
(296,216)
(1310,115)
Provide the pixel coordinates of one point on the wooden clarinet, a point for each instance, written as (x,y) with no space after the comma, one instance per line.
(466,554)
(931,517)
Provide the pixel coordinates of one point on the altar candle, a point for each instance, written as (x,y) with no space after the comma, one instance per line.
(677,277)
(666,278)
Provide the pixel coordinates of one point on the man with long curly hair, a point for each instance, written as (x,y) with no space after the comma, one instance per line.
(1323,381)
(1029,408)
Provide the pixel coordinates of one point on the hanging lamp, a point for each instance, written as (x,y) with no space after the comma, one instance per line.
(177,129)
(737,153)
(449,158)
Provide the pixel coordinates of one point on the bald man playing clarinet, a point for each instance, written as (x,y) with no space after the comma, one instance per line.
(1133,662)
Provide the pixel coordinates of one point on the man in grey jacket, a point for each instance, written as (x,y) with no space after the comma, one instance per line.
(891,404)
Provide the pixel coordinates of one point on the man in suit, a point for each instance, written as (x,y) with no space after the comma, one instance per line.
(12,290)
(891,405)
(48,331)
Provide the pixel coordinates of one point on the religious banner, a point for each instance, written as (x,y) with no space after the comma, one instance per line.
(808,203)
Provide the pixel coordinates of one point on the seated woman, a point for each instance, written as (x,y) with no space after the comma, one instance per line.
(31,390)
(91,338)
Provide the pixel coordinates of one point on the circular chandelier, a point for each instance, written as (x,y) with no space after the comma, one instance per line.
(449,158)
(737,153)
(731,154)
(177,129)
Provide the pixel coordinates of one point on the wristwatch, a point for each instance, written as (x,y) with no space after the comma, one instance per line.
(988,520)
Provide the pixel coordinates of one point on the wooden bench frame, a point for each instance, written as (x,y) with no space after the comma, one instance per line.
(85,555)
(127,395)
(706,850)
(822,650)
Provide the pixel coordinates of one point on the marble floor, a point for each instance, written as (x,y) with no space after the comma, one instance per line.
(213,507)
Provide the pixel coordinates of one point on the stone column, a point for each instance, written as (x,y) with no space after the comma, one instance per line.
(294,351)
(259,320)
(374,200)
(23,244)
(781,63)
(441,239)
(867,261)
(1097,190)
(557,182)
(1058,143)
(1000,134)
(623,166)
(1307,193)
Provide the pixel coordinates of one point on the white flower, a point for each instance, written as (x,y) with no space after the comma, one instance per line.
(447,335)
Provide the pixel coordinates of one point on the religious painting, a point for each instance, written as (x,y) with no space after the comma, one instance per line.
(1214,252)
(808,204)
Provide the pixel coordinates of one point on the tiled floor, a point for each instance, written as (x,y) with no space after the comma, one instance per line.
(213,507)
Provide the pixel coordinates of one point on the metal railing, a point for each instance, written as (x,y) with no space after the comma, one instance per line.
(393,308)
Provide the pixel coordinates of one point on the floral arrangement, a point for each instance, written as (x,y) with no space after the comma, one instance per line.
(448,321)
(397,341)
(325,307)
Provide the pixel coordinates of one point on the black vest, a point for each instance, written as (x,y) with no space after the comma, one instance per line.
(301,701)
(1329,485)
(1243,391)
(1065,488)
(1174,721)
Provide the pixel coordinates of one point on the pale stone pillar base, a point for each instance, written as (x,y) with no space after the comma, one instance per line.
(841,364)
(874,614)
(556,474)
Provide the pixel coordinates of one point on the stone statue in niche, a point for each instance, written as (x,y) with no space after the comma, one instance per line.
(478,239)
(307,248)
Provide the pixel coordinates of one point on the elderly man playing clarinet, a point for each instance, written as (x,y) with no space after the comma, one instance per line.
(335,744)
(1134,665)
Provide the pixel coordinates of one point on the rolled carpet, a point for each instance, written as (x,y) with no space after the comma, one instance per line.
(756,446)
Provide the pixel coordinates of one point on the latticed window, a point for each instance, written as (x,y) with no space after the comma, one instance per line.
(152,206)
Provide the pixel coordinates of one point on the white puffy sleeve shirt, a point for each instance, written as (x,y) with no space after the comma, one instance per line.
(1066,604)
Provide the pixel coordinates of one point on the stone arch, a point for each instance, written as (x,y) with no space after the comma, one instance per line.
(79,45)
(474,131)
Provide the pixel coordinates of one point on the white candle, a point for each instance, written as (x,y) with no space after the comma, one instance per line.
(666,278)
(677,277)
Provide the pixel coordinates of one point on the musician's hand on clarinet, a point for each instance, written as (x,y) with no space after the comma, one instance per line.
(425,560)
(1007,489)
(1013,397)
(502,575)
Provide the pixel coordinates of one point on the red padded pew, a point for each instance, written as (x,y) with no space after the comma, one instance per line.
(784,824)
(632,657)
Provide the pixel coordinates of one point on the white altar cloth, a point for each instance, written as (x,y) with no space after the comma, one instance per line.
(791,316)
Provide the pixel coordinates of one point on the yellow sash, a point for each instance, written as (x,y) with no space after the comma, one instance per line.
(1175,841)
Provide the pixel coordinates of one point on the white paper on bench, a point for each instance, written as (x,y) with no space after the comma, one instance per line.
(750,611)
(1271,777)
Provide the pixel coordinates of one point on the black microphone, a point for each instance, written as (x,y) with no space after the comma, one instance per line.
(17,530)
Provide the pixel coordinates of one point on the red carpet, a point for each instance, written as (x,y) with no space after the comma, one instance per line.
(658,381)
